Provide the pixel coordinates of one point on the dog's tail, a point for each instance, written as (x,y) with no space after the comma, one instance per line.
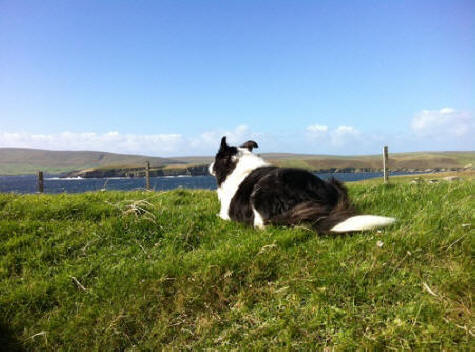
(362,223)
(338,218)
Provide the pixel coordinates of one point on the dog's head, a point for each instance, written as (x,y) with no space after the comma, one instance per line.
(227,158)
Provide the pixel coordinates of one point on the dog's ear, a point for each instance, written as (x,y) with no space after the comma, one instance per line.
(223,143)
(249,145)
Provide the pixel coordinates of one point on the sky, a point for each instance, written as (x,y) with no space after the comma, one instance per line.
(169,78)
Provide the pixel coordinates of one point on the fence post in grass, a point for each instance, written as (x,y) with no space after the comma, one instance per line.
(147,176)
(40,182)
(385,164)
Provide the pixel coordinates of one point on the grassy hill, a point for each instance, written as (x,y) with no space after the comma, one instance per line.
(151,271)
(402,161)
(418,160)
(16,161)
(26,161)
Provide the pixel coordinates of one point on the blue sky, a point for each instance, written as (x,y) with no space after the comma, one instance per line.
(170,77)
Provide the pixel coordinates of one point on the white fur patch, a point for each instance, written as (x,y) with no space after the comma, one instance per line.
(362,223)
(258,221)
(247,162)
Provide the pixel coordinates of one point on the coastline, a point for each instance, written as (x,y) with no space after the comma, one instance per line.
(202,170)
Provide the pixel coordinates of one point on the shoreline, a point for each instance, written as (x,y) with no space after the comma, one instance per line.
(203,171)
(80,175)
(396,172)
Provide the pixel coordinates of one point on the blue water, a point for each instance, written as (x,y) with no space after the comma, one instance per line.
(27,183)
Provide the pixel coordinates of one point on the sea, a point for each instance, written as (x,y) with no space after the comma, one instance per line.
(53,184)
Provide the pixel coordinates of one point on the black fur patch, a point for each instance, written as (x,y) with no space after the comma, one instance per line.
(290,196)
(240,208)
(224,163)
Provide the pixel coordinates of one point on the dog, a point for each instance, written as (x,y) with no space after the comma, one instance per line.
(254,192)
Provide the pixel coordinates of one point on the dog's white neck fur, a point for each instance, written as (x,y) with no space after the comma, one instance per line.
(247,162)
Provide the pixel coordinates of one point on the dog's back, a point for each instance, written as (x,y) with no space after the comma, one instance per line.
(290,196)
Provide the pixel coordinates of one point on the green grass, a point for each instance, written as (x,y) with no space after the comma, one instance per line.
(161,271)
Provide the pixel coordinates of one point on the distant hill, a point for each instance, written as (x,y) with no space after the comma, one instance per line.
(17,161)
(397,161)
(416,160)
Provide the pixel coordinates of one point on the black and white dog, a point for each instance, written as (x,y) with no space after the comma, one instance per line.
(252,191)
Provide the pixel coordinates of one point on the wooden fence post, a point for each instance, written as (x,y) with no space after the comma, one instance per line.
(385,164)
(40,182)
(147,176)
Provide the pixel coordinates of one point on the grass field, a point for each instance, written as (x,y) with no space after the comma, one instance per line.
(141,271)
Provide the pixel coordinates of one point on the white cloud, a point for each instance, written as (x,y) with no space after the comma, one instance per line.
(345,130)
(110,141)
(444,129)
(317,128)
(176,144)
(337,138)
(317,133)
(443,124)
(343,135)
(213,137)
